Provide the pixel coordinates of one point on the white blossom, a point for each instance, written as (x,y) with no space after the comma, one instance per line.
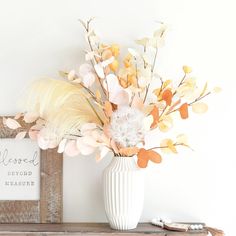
(127,127)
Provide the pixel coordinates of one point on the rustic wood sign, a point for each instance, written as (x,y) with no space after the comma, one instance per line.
(30,180)
(19,170)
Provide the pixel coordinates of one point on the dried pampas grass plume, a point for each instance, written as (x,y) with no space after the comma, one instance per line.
(63,105)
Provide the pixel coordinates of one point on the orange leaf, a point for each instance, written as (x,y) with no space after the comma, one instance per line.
(114,65)
(145,155)
(184,111)
(167,96)
(108,108)
(142,158)
(129,151)
(155,114)
(154,156)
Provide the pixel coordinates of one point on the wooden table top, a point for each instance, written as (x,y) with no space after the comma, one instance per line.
(91,229)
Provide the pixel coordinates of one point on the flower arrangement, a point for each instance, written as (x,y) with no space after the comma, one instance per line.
(109,104)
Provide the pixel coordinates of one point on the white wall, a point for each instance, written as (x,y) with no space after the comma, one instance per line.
(40,37)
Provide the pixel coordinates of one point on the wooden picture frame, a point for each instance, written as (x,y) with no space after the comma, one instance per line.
(49,208)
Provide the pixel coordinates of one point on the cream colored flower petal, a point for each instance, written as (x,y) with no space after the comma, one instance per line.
(71,148)
(104,151)
(99,70)
(168,146)
(18,116)
(89,56)
(21,135)
(142,41)
(160,32)
(62,145)
(187,69)
(42,142)
(12,124)
(217,90)
(152,42)
(182,138)
(133,52)
(199,107)
(94,40)
(164,145)
(89,140)
(89,79)
(112,83)
(84,148)
(165,124)
(143,81)
(191,94)
(190,82)
(87,127)
(85,68)
(33,134)
(71,75)
(95,135)
(166,83)
(120,98)
(171,146)
(108,61)
(53,143)
(138,103)
(31,117)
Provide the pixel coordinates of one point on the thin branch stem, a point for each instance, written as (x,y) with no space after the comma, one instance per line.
(199,98)
(136,70)
(191,103)
(162,113)
(160,147)
(132,99)
(87,28)
(180,83)
(91,93)
(152,70)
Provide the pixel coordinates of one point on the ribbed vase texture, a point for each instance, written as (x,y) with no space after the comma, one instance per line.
(123,188)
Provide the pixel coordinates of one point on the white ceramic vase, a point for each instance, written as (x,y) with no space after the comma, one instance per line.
(123,188)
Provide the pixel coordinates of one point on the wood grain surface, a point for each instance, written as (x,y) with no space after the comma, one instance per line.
(88,229)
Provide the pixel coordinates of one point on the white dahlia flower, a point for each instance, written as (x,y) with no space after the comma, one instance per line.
(127,126)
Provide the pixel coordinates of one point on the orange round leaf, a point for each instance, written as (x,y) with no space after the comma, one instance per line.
(155,114)
(167,96)
(184,111)
(154,156)
(142,158)
(145,155)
